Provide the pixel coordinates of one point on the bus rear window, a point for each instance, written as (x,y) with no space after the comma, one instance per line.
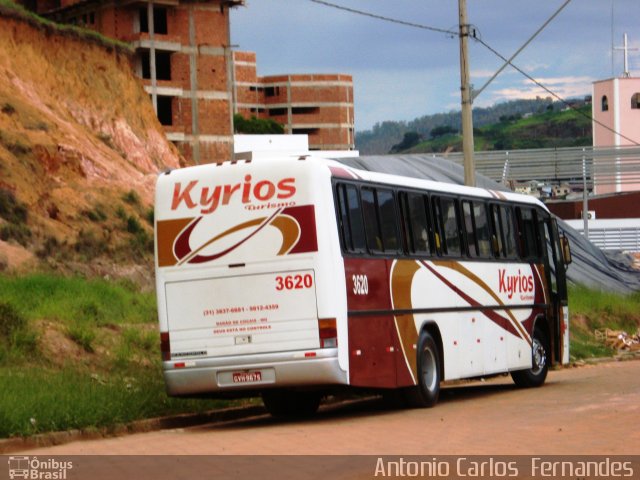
(350,218)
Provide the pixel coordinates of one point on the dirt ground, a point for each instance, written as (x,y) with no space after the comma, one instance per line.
(591,410)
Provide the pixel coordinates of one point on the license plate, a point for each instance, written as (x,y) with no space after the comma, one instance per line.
(247,377)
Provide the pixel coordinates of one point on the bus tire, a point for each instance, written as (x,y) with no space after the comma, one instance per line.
(537,374)
(425,394)
(291,404)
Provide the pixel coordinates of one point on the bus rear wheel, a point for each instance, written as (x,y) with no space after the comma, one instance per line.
(537,374)
(290,403)
(427,391)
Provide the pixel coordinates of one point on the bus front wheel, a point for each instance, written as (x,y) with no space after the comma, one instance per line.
(537,374)
(427,391)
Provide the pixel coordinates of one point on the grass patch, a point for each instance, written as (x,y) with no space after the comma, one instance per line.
(42,400)
(17,339)
(83,334)
(594,309)
(116,378)
(94,301)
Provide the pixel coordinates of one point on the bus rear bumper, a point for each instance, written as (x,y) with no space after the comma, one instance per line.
(253,373)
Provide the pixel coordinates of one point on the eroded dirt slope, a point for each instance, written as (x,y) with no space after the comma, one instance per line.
(80,147)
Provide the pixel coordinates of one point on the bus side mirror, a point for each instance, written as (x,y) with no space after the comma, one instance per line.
(566,250)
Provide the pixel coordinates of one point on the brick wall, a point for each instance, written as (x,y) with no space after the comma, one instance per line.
(320,105)
(210,21)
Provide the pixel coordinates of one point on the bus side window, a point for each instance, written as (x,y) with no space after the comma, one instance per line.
(380,220)
(371,227)
(528,233)
(418,224)
(497,238)
(509,232)
(388,220)
(467,213)
(481,224)
(446,221)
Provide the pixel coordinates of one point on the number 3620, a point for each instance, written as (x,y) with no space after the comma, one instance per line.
(360,284)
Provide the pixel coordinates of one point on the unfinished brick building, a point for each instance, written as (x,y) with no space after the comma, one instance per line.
(319,105)
(183,56)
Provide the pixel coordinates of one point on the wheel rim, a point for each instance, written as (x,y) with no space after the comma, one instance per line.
(429,374)
(539,357)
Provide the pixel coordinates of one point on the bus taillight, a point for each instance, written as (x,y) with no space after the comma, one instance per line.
(165,347)
(328,332)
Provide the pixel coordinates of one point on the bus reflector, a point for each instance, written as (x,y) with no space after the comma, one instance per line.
(328,332)
(164,346)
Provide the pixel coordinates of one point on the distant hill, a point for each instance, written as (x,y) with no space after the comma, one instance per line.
(494,128)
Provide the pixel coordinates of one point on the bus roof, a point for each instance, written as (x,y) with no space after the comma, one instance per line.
(341,170)
(432,185)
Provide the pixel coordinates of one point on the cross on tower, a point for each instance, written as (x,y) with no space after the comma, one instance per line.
(625,47)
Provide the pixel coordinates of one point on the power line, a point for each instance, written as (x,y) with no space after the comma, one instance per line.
(479,40)
(552,93)
(386,19)
(544,25)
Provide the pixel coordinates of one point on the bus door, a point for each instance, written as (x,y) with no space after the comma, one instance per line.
(557,281)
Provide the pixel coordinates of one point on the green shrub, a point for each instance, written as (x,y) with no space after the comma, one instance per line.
(18,232)
(97,214)
(10,320)
(142,243)
(133,225)
(121,213)
(11,209)
(83,334)
(90,245)
(255,125)
(131,197)
(150,216)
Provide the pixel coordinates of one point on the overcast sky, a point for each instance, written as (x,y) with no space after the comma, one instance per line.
(401,72)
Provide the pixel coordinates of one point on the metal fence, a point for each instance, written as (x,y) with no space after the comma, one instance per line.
(574,165)
(612,234)
(586,169)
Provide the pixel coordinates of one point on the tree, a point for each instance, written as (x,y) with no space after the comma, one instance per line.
(411,139)
(256,125)
(443,130)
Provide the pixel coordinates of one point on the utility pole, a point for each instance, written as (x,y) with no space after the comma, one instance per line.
(465,92)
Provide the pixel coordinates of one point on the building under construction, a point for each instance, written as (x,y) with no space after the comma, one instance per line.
(183,56)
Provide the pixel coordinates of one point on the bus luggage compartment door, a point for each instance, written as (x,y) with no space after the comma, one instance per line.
(244,314)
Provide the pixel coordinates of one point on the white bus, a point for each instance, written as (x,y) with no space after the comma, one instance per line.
(291,277)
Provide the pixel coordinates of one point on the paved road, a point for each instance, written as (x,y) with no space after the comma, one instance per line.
(587,410)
